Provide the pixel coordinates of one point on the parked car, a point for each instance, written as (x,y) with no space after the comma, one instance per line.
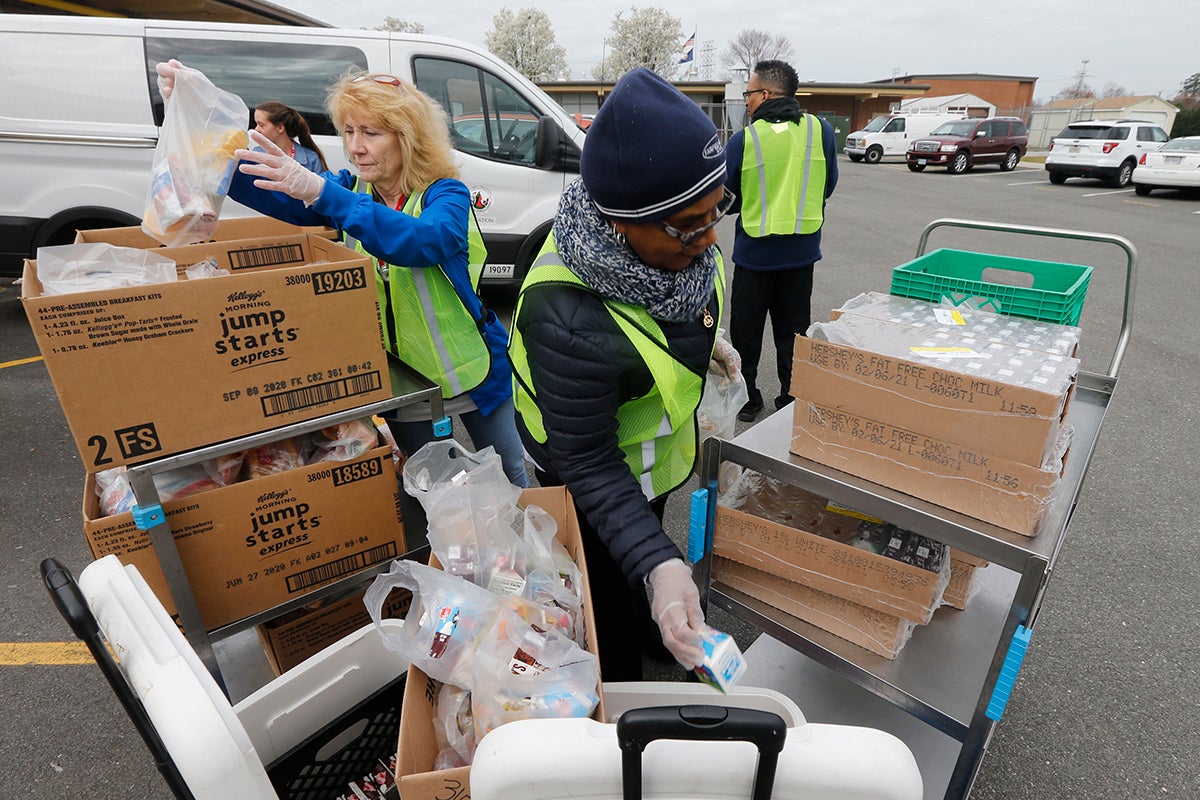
(1175,165)
(1103,149)
(962,144)
(890,134)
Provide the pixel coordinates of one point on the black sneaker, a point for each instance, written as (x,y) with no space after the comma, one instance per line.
(749,412)
(783,401)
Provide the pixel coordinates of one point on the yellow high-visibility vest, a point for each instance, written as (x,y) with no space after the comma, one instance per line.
(657,432)
(425,323)
(783,177)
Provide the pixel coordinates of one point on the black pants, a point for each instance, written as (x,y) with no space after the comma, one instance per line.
(786,295)
(624,628)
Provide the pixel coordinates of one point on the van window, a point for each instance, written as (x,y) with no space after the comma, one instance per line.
(297,75)
(487,116)
(895,126)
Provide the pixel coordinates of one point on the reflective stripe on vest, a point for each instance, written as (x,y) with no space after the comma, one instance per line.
(424,321)
(657,432)
(783,178)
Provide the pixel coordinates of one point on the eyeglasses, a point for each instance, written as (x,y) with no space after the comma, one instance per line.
(746,94)
(687,237)
(386,80)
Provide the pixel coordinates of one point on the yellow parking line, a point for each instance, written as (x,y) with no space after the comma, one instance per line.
(19,362)
(19,654)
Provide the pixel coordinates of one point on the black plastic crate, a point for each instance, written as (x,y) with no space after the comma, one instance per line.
(348,749)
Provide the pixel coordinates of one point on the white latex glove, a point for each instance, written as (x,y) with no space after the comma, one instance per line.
(675,606)
(166,77)
(725,360)
(280,172)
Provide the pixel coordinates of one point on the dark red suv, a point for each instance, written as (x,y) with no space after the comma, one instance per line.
(963,143)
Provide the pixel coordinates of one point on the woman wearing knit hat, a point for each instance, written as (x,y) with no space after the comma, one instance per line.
(614,331)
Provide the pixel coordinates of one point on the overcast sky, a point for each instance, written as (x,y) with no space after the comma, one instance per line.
(1145,46)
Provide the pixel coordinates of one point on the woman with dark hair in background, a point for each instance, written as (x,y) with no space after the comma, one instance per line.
(288,130)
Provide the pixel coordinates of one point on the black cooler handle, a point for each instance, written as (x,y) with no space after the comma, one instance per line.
(638,727)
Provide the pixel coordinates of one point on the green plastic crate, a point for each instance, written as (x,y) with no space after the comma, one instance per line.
(1044,290)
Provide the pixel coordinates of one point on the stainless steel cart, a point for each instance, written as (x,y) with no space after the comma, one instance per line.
(408,388)
(955,676)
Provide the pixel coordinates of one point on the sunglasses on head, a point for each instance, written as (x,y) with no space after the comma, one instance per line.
(386,80)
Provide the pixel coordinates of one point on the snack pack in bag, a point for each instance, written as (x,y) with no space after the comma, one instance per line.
(193,162)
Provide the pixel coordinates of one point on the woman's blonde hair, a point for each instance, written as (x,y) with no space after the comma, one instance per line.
(419,122)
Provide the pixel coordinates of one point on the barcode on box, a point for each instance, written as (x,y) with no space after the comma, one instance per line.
(320,393)
(341,567)
(268,256)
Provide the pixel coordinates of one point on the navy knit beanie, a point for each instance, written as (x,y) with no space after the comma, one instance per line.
(650,152)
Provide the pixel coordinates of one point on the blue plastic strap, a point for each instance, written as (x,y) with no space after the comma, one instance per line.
(697,525)
(1008,673)
(145,518)
(442,427)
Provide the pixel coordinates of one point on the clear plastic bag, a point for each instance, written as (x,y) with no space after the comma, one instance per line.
(471,507)
(442,624)
(454,728)
(521,672)
(96,266)
(193,162)
(723,397)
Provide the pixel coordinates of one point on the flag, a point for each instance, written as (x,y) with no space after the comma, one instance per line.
(689,49)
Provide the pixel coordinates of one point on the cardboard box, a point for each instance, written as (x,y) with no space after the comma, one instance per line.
(253,545)
(293,637)
(254,227)
(882,634)
(964,583)
(868,579)
(149,371)
(1012,495)
(417,746)
(1013,422)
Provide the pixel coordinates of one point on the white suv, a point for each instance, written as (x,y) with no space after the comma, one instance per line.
(1102,149)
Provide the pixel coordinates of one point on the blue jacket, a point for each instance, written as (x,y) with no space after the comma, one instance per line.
(438,236)
(772,253)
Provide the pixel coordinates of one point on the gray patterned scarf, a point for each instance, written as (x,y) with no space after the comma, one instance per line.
(591,249)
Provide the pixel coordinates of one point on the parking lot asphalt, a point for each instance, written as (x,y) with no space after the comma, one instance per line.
(1106,703)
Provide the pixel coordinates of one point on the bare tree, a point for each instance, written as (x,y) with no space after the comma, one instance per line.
(648,37)
(397,25)
(525,39)
(751,46)
(1113,90)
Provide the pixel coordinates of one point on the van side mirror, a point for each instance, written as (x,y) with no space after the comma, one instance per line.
(553,149)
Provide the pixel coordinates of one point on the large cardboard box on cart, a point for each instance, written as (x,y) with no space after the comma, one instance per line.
(253,545)
(417,746)
(1014,422)
(867,579)
(149,371)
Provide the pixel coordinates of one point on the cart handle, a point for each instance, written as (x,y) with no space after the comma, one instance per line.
(1061,233)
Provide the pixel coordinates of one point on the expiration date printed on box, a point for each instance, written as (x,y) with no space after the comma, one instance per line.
(321,393)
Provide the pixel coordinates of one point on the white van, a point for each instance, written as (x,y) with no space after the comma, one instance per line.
(890,134)
(80,115)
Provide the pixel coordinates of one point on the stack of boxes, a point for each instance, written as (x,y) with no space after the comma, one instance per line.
(145,372)
(850,574)
(963,409)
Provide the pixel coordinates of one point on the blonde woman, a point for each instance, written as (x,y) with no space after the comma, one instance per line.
(407,209)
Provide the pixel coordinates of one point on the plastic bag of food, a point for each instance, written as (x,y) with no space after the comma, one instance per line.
(344,441)
(445,618)
(96,266)
(193,162)
(522,671)
(454,728)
